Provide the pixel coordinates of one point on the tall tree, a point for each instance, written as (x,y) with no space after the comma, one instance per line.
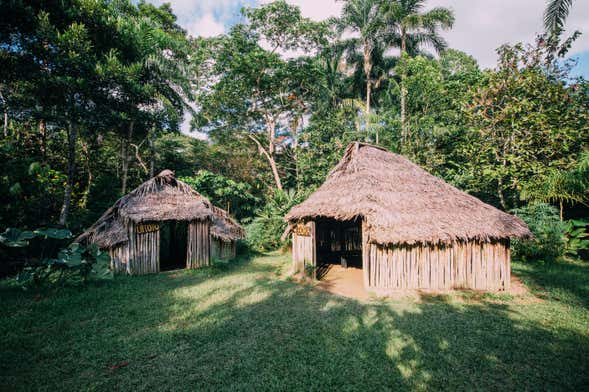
(416,29)
(256,90)
(366,19)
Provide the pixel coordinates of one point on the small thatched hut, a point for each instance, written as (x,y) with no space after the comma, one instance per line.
(406,228)
(162,224)
(224,234)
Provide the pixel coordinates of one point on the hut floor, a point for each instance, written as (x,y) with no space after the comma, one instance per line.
(348,282)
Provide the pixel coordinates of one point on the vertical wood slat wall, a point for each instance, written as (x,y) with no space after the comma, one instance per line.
(199,244)
(223,250)
(472,265)
(303,249)
(140,255)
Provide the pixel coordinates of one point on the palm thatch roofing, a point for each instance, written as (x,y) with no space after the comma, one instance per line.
(401,203)
(161,198)
(224,227)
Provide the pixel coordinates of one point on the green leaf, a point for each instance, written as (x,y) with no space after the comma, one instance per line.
(16,238)
(58,234)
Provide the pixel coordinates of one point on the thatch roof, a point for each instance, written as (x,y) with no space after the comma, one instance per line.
(402,203)
(224,227)
(161,198)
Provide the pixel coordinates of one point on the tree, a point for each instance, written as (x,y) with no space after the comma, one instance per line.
(555,15)
(527,118)
(416,29)
(365,18)
(256,92)
(560,186)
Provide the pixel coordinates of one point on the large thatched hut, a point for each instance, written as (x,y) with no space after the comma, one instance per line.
(163,224)
(405,228)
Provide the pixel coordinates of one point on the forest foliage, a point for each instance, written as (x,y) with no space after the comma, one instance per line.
(93,94)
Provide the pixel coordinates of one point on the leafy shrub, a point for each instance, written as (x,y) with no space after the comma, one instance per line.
(266,229)
(74,263)
(235,197)
(576,237)
(549,232)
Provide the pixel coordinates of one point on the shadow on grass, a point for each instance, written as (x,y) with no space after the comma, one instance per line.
(241,328)
(566,282)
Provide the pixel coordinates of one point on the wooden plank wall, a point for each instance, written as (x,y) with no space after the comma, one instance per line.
(144,251)
(222,250)
(119,259)
(303,249)
(199,249)
(472,265)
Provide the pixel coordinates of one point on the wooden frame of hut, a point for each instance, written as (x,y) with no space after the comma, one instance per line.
(163,221)
(405,228)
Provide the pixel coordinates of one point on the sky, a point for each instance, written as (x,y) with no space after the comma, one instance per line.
(480,27)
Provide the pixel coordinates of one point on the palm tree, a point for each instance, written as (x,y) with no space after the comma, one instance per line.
(365,18)
(555,15)
(560,186)
(415,29)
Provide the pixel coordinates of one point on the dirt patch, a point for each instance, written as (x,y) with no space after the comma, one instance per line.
(349,282)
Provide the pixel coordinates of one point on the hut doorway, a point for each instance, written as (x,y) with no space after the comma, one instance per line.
(173,245)
(338,245)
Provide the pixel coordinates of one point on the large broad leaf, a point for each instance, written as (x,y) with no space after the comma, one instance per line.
(58,234)
(72,255)
(101,268)
(16,238)
(579,223)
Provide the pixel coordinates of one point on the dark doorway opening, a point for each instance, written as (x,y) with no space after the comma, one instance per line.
(173,245)
(338,243)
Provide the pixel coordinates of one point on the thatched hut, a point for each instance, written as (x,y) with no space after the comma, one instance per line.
(405,228)
(162,224)
(224,235)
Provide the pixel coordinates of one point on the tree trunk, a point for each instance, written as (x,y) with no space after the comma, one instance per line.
(86,150)
(403,112)
(43,134)
(403,90)
(126,157)
(367,72)
(500,193)
(295,136)
(4,106)
(151,154)
(271,161)
(561,210)
(67,196)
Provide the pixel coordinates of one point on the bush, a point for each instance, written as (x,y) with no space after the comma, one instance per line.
(577,238)
(75,264)
(549,232)
(266,229)
(46,266)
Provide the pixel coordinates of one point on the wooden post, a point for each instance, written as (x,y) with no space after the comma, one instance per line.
(365,255)
(313,245)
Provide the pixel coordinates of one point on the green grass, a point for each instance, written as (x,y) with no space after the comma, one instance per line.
(243,326)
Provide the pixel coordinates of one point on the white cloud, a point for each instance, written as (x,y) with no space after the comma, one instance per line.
(205,26)
(315,9)
(481,25)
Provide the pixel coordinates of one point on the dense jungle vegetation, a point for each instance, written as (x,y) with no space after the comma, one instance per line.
(93,94)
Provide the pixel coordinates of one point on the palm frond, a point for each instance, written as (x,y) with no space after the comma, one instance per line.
(555,15)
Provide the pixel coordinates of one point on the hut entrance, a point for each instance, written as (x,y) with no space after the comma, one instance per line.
(173,245)
(339,243)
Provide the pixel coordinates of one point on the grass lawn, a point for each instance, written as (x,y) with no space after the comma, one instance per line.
(243,326)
